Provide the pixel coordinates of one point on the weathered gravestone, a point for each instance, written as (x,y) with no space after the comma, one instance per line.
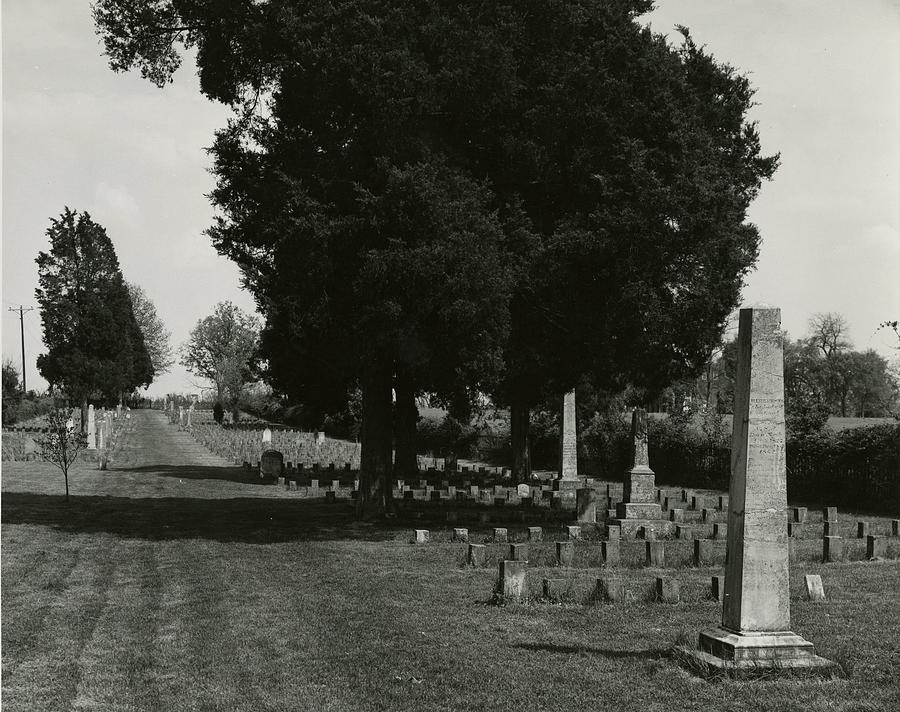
(755,635)
(271,464)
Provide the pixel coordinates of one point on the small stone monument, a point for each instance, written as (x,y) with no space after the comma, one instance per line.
(267,435)
(755,635)
(640,510)
(91,428)
(271,464)
(567,481)
(320,438)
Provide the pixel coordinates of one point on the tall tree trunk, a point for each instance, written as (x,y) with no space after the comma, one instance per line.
(521,450)
(406,414)
(84,415)
(375,437)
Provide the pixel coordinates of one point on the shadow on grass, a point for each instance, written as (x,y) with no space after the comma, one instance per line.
(246,519)
(198,472)
(648,654)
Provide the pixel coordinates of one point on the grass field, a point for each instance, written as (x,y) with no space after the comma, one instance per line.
(192,587)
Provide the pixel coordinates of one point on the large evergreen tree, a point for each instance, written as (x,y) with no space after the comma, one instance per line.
(95,348)
(550,184)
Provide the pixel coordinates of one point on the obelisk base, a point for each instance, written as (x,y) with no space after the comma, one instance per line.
(721,651)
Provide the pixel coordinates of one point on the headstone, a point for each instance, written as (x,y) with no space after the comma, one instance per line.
(422,536)
(512,581)
(271,463)
(565,553)
(862,530)
(267,435)
(668,590)
(832,549)
(720,531)
(799,514)
(609,552)
(91,428)
(320,438)
(875,547)
(476,555)
(535,534)
(829,514)
(755,634)
(523,490)
(613,532)
(573,533)
(676,515)
(518,552)
(500,534)
(610,589)
(895,527)
(717,588)
(814,590)
(568,443)
(656,554)
(683,532)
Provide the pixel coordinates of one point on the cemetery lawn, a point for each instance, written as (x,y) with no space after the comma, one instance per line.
(191,587)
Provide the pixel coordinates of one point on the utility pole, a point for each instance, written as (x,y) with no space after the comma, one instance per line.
(22,311)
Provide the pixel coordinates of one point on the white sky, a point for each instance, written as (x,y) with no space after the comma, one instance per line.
(827,74)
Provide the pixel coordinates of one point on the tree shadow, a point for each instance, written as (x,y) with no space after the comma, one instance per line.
(250,520)
(199,472)
(648,654)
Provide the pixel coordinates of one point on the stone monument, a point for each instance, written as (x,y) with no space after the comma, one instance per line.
(755,635)
(271,464)
(567,480)
(91,428)
(639,510)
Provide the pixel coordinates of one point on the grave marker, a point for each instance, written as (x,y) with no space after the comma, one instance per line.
(755,635)
(814,590)
(512,580)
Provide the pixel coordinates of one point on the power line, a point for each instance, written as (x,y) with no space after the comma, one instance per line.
(22,309)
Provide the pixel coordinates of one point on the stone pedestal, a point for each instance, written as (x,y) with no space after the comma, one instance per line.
(755,635)
(640,510)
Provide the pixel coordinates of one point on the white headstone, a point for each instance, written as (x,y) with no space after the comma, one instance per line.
(267,436)
(523,491)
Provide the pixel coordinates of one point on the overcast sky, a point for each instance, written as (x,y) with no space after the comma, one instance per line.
(827,74)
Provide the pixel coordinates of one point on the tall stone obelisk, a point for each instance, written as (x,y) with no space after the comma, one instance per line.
(91,428)
(755,633)
(567,481)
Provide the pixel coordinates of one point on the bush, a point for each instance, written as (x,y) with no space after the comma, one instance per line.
(857,468)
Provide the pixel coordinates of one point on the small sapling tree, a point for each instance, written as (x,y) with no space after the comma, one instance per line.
(61,445)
